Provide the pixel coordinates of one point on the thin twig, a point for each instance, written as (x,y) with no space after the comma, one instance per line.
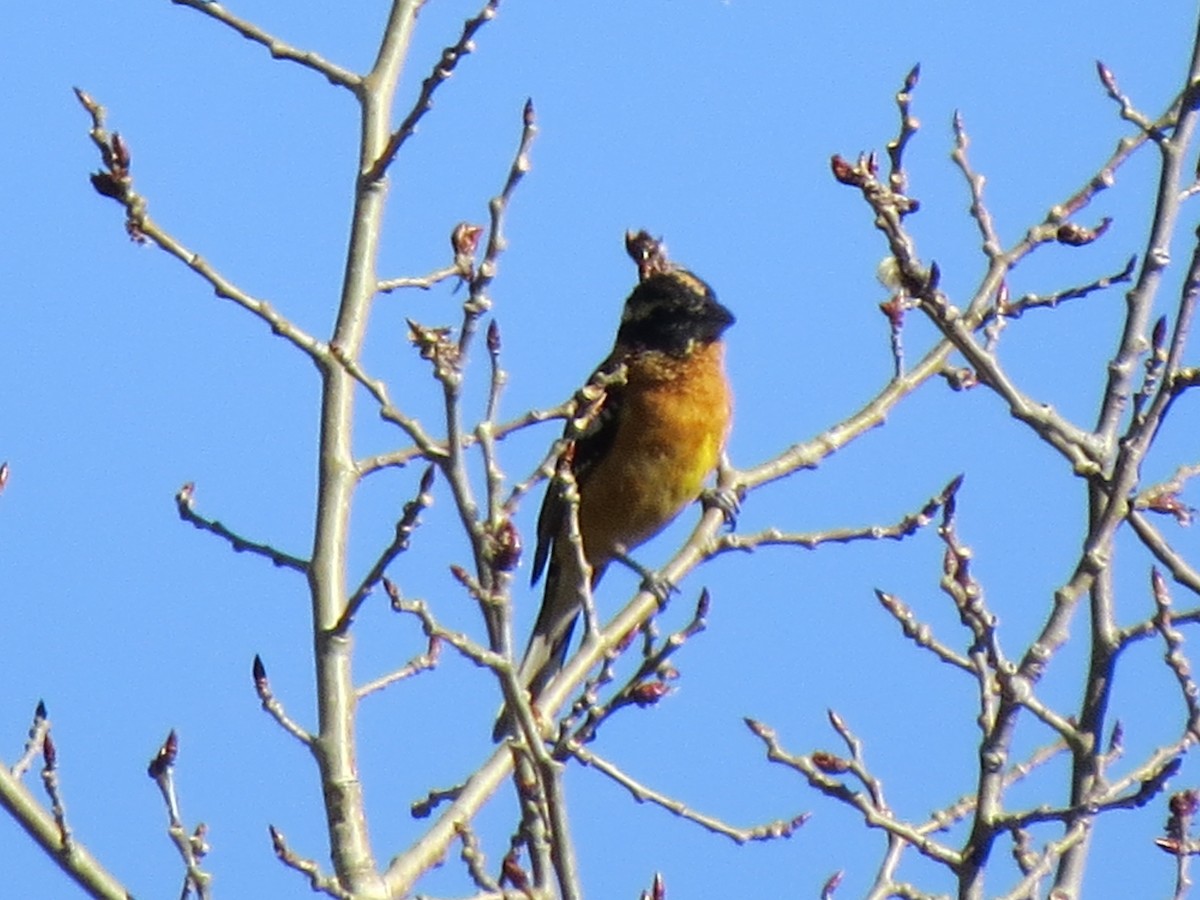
(116,182)
(415,666)
(192,847)
(58,809)
(908,127)
(277,48)
(424,282)
(405,527)
(184,502)
(905,527)
(1180,569)
(33,746)
(309,868)
(441,72)
(920,633)
(992,247)
(874,817)
(781,828)
(1175,658)
(274,708)
(389,412)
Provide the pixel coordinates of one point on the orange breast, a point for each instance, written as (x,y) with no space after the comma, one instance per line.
(673,422)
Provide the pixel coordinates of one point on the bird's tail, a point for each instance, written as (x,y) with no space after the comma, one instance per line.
(547,649)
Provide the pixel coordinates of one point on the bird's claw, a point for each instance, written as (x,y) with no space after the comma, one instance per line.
(724,499)
(662,588)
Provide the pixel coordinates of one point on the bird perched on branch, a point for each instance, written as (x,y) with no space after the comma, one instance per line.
(642,454)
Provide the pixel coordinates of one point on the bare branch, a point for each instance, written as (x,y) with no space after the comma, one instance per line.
(1179,567)
(117,182)
(424,282)
(908,127)
(309,868)
(1175,658)
(277,48)
(781,828)
(184,502)
(37,733)
(872,815)
(192,847)
(405,527)
(272,706)
(50,782)
(992,247)
(1016,308)
(415,666)
(906,527)
(920,633)
(441,72)
(78,864)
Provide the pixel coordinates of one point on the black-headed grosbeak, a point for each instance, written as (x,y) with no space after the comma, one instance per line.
(645,454)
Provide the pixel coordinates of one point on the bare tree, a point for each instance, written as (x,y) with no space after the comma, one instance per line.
(460,455)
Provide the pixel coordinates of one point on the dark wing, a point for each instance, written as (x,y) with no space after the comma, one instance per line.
(590,447)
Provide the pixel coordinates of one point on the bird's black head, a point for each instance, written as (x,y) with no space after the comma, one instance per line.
(672,311)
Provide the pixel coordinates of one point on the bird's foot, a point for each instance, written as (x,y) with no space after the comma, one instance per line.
(662,588)
(724,499)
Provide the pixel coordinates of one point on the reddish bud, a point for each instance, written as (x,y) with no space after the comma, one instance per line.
(120,154)
(658,889)
(164,759)
(832,883)
(1075,235)
(1116,740)
(911,79)
(260,676)
(512,873)
(185,496)
(1158,585)
(894,309)
(1159,336)
(759,729)
(464,239)
(528,116)
(626,640)
(493,337)
(1184,804)
(649,693)
(935,277)
(427,479)
(506,546)
(1169,502)
(106,185)
(1106,77)
(830,763)
(39,712)
(3,475)
(393,592)
(85,99)
(960,379)
(647,252)
(49,752)
(277,842)
(844,172)
(1171,845)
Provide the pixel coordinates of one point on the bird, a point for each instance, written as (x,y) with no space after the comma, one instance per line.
(643,455)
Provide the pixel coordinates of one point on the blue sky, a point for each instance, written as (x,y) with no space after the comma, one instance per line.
(710,123)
